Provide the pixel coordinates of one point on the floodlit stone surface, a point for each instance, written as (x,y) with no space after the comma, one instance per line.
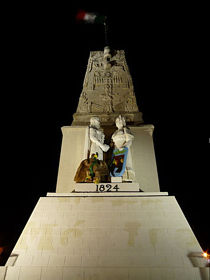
(106,238)
(73,151)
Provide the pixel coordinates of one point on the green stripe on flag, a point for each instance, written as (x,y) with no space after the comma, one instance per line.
(100,19)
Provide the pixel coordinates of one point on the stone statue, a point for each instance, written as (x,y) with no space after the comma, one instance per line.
(97,137)
(93,169)
(122,138)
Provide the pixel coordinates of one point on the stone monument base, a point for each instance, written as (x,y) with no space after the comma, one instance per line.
(106,236)
(142,152)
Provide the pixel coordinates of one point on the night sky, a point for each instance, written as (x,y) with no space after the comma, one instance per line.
(45,54)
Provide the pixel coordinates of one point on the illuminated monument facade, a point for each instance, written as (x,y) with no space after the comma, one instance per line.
(107,218)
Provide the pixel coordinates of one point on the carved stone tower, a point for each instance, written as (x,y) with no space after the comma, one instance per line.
(107,90)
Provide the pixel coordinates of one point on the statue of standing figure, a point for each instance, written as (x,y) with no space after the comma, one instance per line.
(122,139)
(97,138)
(94,169)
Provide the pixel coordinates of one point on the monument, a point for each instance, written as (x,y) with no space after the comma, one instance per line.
(108,218)
(108,95)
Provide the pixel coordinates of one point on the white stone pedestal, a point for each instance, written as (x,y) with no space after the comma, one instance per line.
(116,179)
(74,150)
(106,236)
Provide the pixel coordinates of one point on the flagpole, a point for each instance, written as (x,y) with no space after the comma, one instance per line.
(106,31)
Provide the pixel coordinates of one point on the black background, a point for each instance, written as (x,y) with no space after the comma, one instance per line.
(45,54)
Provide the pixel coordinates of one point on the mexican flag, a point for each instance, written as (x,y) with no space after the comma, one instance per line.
(87,17)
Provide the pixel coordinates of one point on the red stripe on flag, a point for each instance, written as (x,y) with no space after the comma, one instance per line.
(80,15)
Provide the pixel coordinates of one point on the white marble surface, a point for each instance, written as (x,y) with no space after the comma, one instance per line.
(110,237)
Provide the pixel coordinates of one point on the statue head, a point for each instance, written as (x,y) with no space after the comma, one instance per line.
(120,122)
(95,122)
(107,58)
(107,52)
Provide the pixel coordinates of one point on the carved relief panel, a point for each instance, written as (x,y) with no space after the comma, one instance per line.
(107,85)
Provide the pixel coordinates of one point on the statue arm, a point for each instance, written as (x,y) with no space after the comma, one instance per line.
(95,140)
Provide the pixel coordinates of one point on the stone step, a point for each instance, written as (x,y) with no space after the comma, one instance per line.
(66,273)
(107,194)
